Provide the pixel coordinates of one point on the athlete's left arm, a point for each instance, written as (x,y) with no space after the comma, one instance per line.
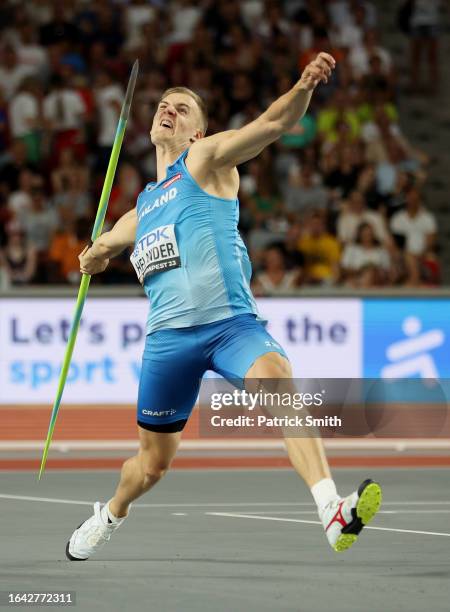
(228,149)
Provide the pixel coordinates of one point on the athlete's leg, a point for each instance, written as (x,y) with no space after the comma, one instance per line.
(172,366)
(245,350)
(342,518)
(306,453)
(171,370)
(244,353)
(141,472)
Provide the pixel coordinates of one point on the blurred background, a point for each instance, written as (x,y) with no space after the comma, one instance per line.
(348,211)
(352,196)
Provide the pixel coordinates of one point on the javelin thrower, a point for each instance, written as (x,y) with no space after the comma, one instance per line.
(195,270)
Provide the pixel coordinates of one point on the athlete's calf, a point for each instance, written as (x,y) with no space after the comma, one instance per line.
(141,472)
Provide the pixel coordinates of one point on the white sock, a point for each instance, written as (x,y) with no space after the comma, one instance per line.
(323,492)
(107,514)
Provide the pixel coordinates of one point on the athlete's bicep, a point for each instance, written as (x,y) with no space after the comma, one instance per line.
(235,147)
(123,234)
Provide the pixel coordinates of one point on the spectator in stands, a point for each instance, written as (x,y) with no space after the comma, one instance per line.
(64,110)
(415,223)
(415,230)
(305,192)
(12,72)
(350,32)
(365,262)
(124,193)
(25,117)
(137,13)
(13,163)
(18,258)
(66,246)
(275,277)
(63,173)
(59,30)
(345,175)
(329,164)
(41,221)
(397,199)
(367,186)
(321,252)
(360,57)
(294,257)
(108,100)
(378,84)
(184,18)
(70,184)
(382,132)
(424,29)
(20,201)
(355,212)
(261,233)
(338,110)
(264,200)
(238,56)
(24,38)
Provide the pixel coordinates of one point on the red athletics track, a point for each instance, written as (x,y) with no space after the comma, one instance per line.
(99,422)
(95,463)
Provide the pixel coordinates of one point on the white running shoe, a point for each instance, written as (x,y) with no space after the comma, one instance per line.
(344,518)
(91,535)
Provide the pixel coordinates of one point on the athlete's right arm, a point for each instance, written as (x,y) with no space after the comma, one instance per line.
(96,258)
(231,148)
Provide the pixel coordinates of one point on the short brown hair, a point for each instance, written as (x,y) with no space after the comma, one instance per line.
(200,103)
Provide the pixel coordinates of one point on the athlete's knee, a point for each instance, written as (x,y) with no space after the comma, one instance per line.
(153,468)
(271,365)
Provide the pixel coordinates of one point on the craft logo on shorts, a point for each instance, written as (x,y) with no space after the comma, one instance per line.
(157,251)
(159,413)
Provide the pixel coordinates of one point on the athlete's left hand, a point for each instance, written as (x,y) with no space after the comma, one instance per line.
(90,264)
(319,70)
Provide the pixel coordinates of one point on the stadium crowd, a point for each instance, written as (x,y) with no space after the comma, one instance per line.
(336,201)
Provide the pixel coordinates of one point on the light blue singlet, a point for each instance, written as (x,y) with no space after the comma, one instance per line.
(189,255)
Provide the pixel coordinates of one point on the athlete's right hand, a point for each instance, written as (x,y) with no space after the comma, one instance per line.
(90,264)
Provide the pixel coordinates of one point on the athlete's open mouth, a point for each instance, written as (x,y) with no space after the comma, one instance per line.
(167,124)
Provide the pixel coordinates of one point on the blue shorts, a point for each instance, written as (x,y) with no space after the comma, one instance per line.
(175,360)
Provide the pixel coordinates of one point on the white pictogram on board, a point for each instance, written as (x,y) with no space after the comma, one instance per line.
(411,356)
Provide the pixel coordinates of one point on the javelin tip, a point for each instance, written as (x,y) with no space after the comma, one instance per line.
(130,90)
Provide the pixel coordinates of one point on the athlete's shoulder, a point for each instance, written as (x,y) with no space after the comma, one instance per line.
(220,182)
(206,146)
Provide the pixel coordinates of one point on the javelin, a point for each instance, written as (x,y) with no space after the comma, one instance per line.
(85,279)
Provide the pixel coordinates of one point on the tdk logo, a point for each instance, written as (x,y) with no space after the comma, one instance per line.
(152,237)
(163,199)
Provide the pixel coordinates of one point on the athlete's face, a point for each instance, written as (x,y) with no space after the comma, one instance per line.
(177,119)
